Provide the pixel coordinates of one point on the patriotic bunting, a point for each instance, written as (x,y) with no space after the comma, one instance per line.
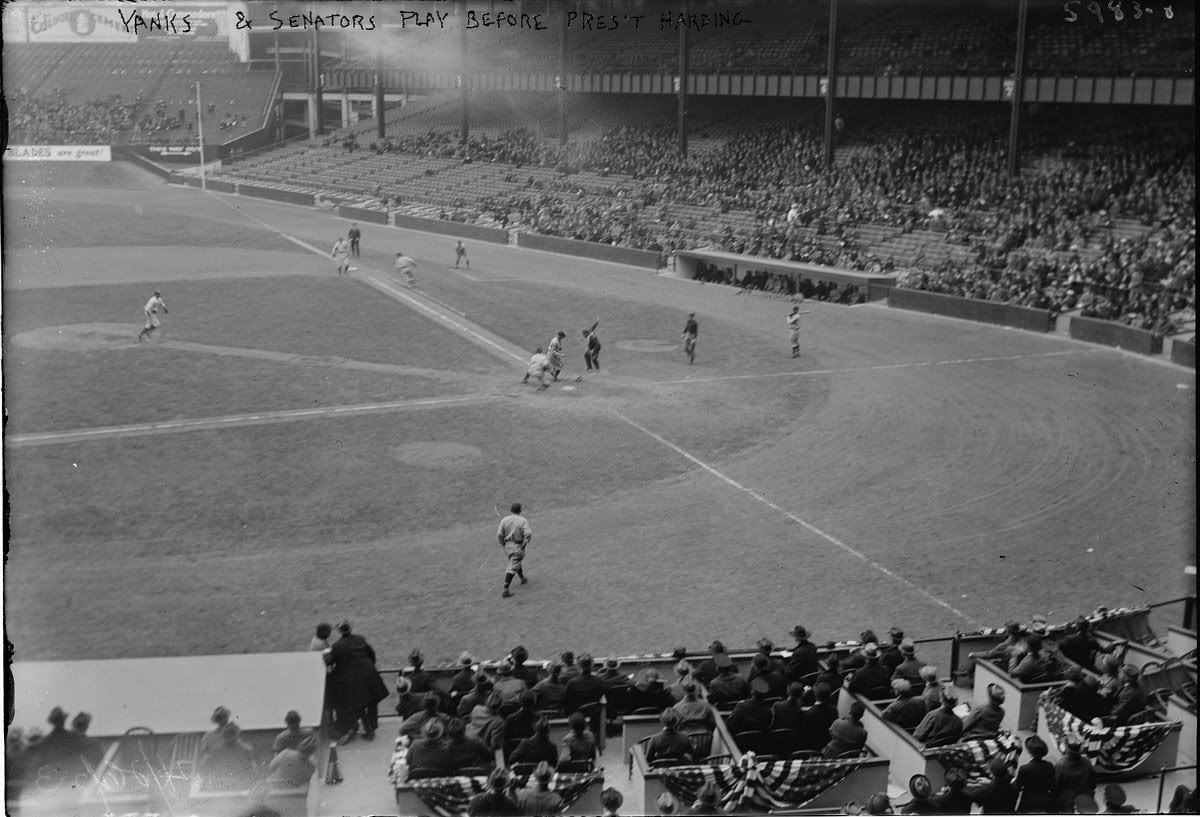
(776,784)
(448,796)
(972,756)
(1110,748)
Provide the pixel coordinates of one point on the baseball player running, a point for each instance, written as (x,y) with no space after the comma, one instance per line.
(406,267)
(555,351)
(151,309)
(341,254)
(514,534)
(690,330)
(460,254)
(538,364)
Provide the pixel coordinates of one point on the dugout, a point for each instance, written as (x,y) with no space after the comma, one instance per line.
(688,264)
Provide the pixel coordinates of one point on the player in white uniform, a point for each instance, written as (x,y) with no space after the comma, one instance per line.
(793,322)
(538,364)
(151,309)
(514,534)
(555,352)
(406,266)
(341,254)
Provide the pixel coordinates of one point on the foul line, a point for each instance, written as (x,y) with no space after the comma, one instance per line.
(813,528)
(877,368)
(230,421)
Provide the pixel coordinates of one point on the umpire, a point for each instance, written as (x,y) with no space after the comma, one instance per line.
(514,535)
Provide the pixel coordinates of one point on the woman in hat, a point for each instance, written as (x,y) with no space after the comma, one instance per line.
(357,687)
(683,672)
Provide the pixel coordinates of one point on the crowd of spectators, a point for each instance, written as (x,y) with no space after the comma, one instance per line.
(50,119)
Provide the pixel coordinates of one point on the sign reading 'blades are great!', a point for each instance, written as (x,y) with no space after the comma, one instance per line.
(58,153)
(76,24)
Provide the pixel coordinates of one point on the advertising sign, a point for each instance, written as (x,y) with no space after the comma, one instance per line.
(76,24)
(58,153)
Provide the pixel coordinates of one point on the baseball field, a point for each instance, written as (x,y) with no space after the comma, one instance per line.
(295,446)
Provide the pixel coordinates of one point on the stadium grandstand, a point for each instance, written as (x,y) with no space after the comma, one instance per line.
(939,564)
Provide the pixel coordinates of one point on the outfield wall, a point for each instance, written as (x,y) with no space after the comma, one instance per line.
(454,228)
(589,249)
(1116,334)
(1184,353)
(972,309)
(361,214)
(289,196)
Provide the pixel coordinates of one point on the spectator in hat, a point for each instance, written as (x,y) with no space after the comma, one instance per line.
(585,688)
(463,680)
(665,803)
(997,795)
(212,739)
(610,674)
(857,659)
(765,648)
(1035,780)
(669,743)
(479,693)
(1035,666)
(569,668)
(538,748)
(579,743)
(292,735)
(406,702)
(1130,698)
(414,724)
(906,711)
(910,666)
(293,766)
(752,714)
(761,666)
(465,751)
(878,803)
(706,800)
(428,755)
(683,672)
(891,654)
(610,801)
(508,686)
(357,687)
(320,641)
(694,714)
(486,725)
(649,692)
(419,680)
(921,790)
(537,797)
(932,694)
(728,686)
(832,675)
(803,661)
(1109,667)
(1081,696)
(90,749)
(1073,774)
(818,719)
(999,654)
(1114,800)
(984,720)
(942,725)
(60,748)
(519,724)
(551,691)
(231,765)
(952,799)
(527,674)
(847,734)
(788,713)
(495,802)
(1081,647)
(708,668)
(873,678)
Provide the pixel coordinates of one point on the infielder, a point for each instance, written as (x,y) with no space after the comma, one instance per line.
(151,309)
(406,266)
(555,351)
(690,330)
(514,534)
(538,364)
(341,254)
(460,254)
(591,352)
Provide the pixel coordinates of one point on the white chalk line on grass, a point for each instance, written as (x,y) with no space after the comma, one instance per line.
(877,368)
(806,525)
(232,420)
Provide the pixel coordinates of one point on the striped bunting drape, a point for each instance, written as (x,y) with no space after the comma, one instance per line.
(1111,749)
(972,756)
(762,785)
(448,796)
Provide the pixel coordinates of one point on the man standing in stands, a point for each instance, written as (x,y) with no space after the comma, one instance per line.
(151,309)
(460,254)
(514,535)
(355,234)
(357,687)
(341,254)
(690,331)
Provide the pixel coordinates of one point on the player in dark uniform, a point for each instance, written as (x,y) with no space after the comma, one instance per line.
(460,254)
(591,352)
(354,235)
(690,330)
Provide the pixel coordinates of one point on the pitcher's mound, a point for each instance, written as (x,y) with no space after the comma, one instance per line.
(81,337)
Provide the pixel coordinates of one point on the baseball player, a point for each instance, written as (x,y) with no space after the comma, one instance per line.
(514,535)
(690,330)
(341,254)
(555,351)
(460,254)
(591,352)
(538,364)
(355,236)
(793,322)
(151,309)
(406,266)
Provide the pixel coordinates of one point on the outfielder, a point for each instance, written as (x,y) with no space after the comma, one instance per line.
(538,364)
(793,322)
(460,254)
(341,254)
(151,309)
(406,266)
(555,351)
(514,534)
(690,330)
